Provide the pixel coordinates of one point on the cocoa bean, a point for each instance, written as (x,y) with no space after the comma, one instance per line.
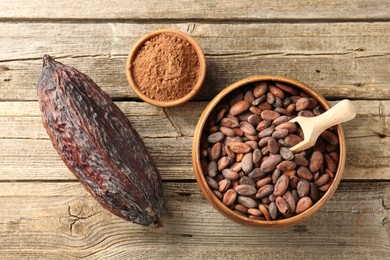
(257,156)
(273,210)
(246,180)
(265,212)
(264,181)
(277,92)
(240,208)
(293,181)
(215,137)
(286,154)
(290,200)
(260,89)
(229,197)
(212,183)
(303,204)
(254,120)
(269,115)
(256,174)
(239,107)
(253,144)
(247,202)
(286,166)
(292,140)
(216,151)
(281,185)
(273,146)
(270,98)
(316,161)
(323,179)
(255,212)
(227,131)
(286,88)
(330,163)
(218,194)
(281,120)
(282,205)
(224,185)
(326,186)
(212,170)
(304,173)
(264,106)
(240,147)
(302,104)
(291,127)
(301,160)
(280,133)
(303,188)
(248,96)
(246,190)
(275,175)
(257,101)
(314,192)
(255,110)
(221,115)
(263,125)
(230,122)
(329,137)
(223,163)
(269,164)
(247,128)
(246,163)
(264,191)
(230,174)
(264,141)
(266,132)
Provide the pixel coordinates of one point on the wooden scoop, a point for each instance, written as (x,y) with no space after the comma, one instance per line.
(313,126)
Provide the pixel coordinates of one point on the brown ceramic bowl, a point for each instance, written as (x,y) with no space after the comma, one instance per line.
(200,175)
(195,89)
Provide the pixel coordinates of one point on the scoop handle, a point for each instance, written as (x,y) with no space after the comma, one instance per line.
(341,112)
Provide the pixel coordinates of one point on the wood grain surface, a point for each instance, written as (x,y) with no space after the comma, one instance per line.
(339,48)
(339,59)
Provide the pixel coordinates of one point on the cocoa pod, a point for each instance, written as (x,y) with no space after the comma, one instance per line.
(98,144)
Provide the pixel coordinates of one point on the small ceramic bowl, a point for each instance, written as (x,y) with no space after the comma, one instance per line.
(200,175)
(202,68)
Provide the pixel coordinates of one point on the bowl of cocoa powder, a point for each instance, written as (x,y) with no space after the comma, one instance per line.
(241,154)
(166,68)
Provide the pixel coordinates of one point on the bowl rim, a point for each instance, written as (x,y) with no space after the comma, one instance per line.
(140,43)
(200,177)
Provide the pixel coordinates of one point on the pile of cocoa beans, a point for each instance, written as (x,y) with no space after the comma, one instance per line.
(245,153)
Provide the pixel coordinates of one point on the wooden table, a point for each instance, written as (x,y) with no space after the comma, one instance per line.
(340,48)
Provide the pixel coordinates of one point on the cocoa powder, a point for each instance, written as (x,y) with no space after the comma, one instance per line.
(166,67)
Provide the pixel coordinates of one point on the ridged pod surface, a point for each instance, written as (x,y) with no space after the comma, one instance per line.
(98,144)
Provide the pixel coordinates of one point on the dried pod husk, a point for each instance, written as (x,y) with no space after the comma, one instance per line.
(98,144)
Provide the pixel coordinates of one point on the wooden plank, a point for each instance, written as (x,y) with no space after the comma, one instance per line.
(168,134)
(57,220)
(187,9)
(339,60)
